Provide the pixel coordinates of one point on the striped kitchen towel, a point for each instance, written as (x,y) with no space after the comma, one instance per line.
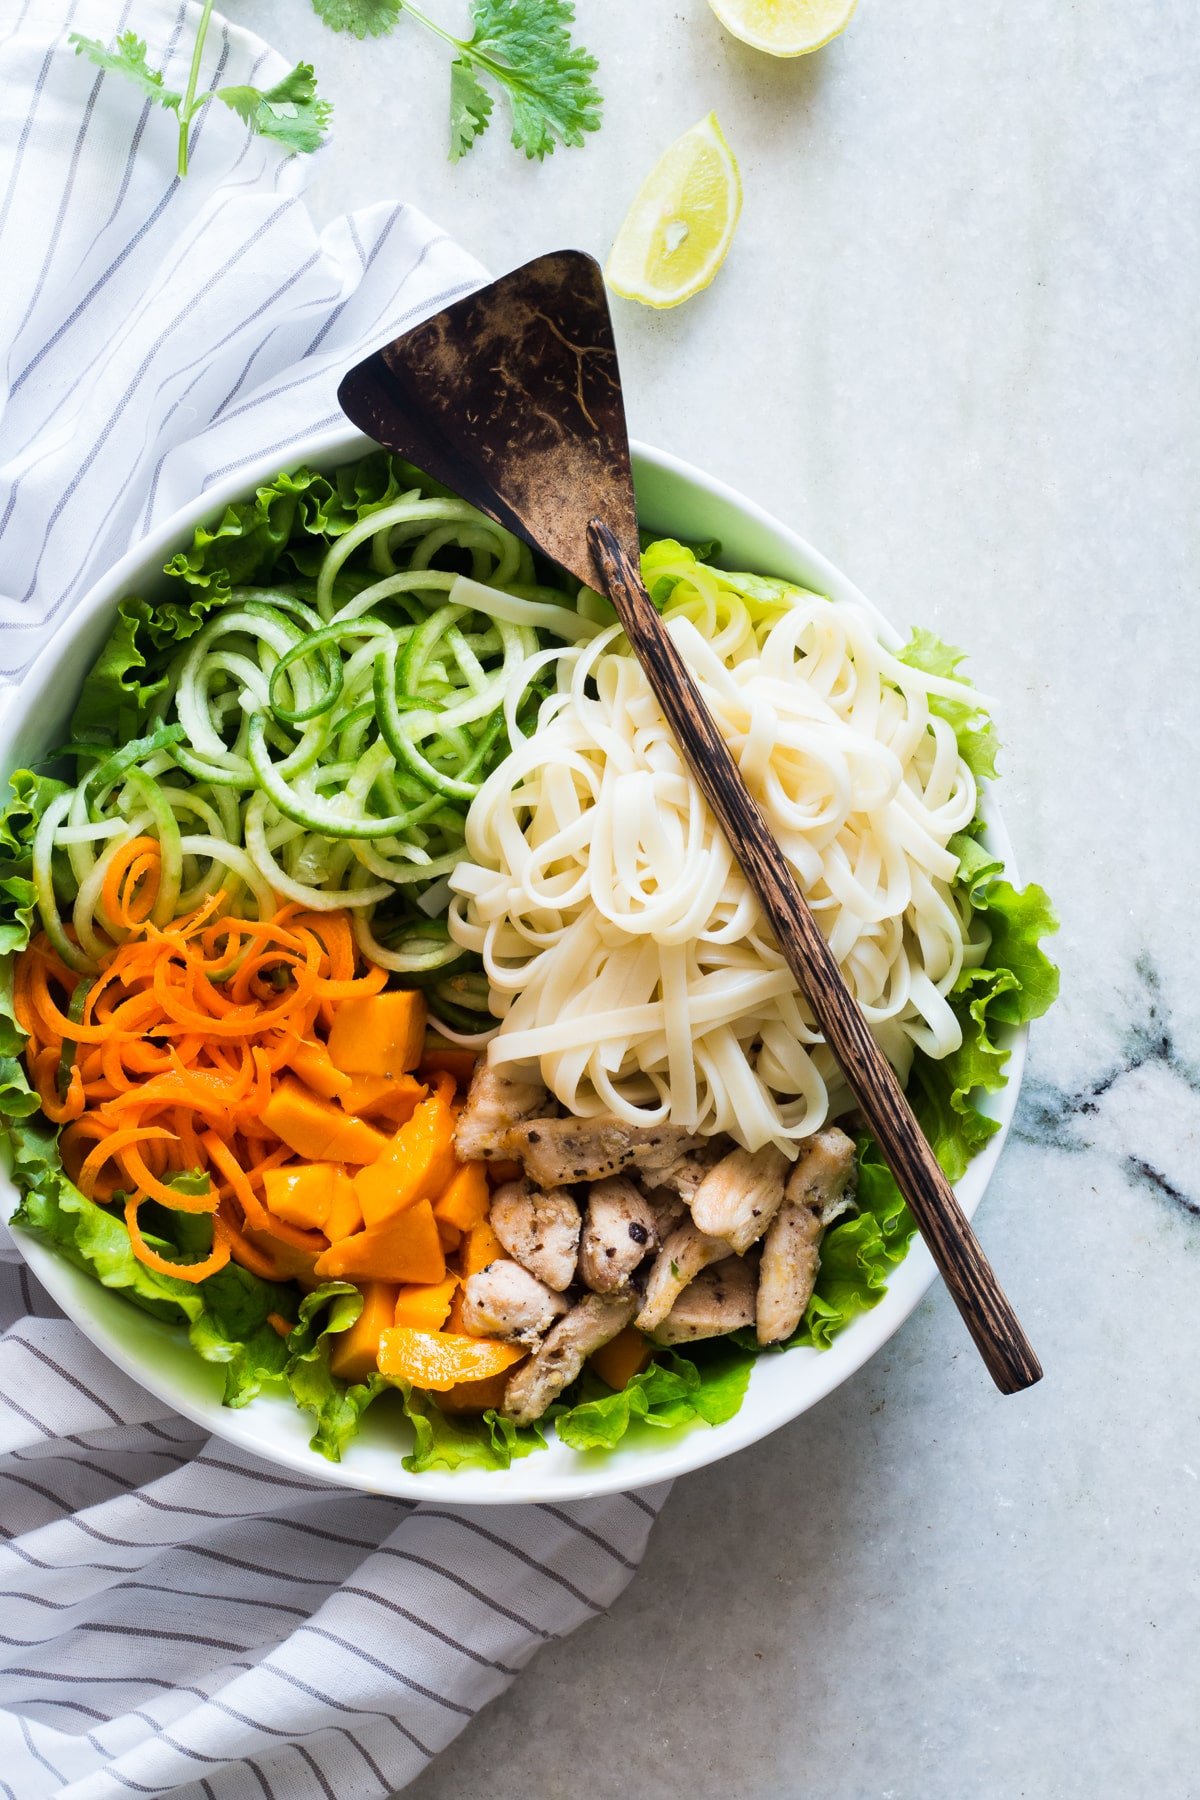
(176,1618)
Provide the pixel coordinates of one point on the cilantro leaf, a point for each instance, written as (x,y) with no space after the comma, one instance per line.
(289,112)
(525,46)
(128,57)
(364,18)
(470,108)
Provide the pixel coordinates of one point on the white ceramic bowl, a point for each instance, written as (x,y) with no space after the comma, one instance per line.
(673,498)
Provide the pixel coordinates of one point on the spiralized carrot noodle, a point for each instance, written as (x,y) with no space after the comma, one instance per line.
(160,1068)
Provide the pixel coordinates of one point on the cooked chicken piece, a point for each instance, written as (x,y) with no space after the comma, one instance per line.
(720,1299)
(817,1190)
(686,1175)
(739,1197)
(822,1173)
(555,1151)
(541,1230)
(685,1252)
(668,1209)
(557,1361)
(620,1230)
(495,1103)
(506,1301)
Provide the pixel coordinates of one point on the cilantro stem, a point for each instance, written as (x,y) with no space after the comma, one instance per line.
(189,108)
(422,19)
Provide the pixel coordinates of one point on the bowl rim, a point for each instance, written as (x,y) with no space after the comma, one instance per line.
(680,1452)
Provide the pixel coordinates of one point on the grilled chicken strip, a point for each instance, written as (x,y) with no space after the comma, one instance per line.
(506,1301)
(720,1299)
(668,1209)
(557,1361)
(540,1230)
(685,1176)
(555,1151)
(739,1197)
(495,1103)
(816,1191)
(685,1252)
(620,1230)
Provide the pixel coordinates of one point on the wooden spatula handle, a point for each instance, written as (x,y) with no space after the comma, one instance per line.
(952,1243)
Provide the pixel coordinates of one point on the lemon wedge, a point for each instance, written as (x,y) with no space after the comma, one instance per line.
(784,27)
(678,231)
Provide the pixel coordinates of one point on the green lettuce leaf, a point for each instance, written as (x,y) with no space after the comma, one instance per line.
(463,1440)
(858,1253)
(675,1390)
(337,1406)
(1017,983)
(226,1314)
(977,739)
(30,794)
(441,1440)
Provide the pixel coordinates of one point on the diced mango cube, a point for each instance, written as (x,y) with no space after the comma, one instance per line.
(441,1359)
(475,1396)
(394,1097)
(425,1307)
(404,1248)
(302,1194)
(465,1199)
(318,1130)
(312,1062)
(345,1214)
(440,1057)
(480,1246)
(416,1165)
(623,1357)
(355,1353)
(379,1034)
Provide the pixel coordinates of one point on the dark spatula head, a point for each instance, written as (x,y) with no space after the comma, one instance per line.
(512,398)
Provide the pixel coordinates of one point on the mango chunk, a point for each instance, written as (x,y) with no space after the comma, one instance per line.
(355,1353)
(318,1130)
(301,1194)
(416,1165)
(465,1199)
(380,1034)
(475,1396)
(480,1246)
(345,1214)
(442,1058)
(314,1066)
(623,1357)
(395,1097)
(425,1308)
(404,1248)
(441,1359)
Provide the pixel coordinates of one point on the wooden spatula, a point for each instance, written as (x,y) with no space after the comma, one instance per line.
(512,397)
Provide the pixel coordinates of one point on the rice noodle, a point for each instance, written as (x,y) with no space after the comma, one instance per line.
(627,958)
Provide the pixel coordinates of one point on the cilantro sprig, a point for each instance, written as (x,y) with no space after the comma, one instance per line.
(290,112)
(522,48)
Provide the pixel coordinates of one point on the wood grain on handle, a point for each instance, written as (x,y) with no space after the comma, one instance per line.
(953,1245)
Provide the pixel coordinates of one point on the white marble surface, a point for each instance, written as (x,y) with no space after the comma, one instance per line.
(957,344)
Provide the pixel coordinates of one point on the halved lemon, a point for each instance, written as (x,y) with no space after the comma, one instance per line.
(678,231)
(784,27)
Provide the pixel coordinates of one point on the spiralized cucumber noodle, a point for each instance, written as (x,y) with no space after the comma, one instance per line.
(321,741)
(626,954)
